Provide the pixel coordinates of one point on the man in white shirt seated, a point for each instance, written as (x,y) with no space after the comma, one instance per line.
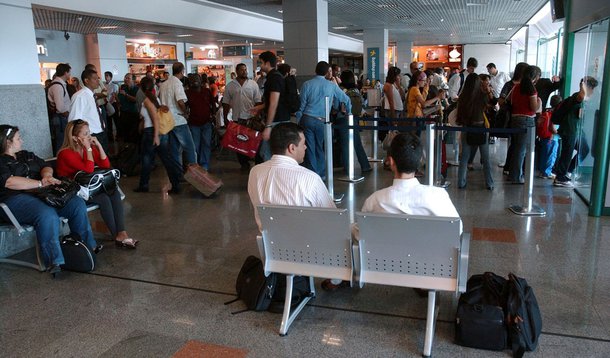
(281,180)
(407,195)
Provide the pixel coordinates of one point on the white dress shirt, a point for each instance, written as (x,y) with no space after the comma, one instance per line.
(282,181)
(170,92)
(408,196)
(455,85)
(58,95)
(242,98)
(83,107)
(497,82)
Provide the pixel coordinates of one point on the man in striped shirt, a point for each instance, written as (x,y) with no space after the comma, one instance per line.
(281,180)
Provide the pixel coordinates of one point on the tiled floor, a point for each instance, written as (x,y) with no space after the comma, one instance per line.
(166,298)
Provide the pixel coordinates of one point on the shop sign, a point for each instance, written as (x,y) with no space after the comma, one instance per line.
(41,47)
(373,63)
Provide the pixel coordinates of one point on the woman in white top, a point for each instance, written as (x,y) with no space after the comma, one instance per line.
(154,142)
(393,93)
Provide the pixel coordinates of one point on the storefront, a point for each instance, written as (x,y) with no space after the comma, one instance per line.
(146,55)
(430,57)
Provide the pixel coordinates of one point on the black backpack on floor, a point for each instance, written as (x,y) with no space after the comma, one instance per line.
(77,255)
(523,316)
(480,314)
(253,287)
(300,290)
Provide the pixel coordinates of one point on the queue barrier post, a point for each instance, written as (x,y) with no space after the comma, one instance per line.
(528,208)
(328,144)
(350,154)
(430,139)
(375,135)
(439,180)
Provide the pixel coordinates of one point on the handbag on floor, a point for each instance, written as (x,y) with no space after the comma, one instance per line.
(241,139)
(77,255)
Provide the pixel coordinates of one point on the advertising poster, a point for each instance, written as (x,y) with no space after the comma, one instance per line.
(373,63)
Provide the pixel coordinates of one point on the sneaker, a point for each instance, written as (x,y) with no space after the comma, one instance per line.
(565,184)
(550,176)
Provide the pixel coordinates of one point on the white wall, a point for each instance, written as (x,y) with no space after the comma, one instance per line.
(61,51)
(18,62)
(486,53)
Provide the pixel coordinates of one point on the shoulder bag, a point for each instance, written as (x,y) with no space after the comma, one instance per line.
(57,195)
(99,181)
(166,120)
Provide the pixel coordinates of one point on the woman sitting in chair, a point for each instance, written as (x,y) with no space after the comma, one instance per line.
(21,170)
(82,152)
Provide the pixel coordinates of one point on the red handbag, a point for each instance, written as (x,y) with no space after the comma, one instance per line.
(241,139)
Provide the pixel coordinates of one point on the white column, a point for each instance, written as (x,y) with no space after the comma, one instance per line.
(19,60)
(107,53)
(22,100)
(305,34)
(403,55)
(376,40)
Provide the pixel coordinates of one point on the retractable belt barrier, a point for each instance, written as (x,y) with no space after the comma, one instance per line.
(433,139)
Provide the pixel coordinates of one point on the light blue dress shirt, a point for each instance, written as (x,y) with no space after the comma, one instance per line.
(313,93)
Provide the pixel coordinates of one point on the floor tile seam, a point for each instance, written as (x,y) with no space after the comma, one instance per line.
(334,308)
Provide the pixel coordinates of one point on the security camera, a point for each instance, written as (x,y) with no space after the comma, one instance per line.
(66,35)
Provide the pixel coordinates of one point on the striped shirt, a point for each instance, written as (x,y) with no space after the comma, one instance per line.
(282,181)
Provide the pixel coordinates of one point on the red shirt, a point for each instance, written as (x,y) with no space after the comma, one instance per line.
(70,162)
(521,102)
(200,104)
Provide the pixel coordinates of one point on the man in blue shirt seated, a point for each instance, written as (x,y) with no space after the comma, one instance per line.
(312,114)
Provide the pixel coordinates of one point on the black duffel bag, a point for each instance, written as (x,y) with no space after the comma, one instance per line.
(480,319)
(99,181)
(56,195)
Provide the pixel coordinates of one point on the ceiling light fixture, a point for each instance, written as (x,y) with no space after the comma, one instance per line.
(339,27)
(388,6)
(148,32)
(442,20)
(359,33)
(107,27)
(501,28)
(184,35)
(281,11)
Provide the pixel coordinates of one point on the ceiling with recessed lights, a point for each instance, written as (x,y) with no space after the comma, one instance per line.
(422,21)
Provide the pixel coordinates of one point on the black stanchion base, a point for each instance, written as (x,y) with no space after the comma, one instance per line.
(522,211)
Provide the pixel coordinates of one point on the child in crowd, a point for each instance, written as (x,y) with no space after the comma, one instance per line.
(548,141)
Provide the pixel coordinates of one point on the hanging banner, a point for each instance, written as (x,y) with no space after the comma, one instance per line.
(373,63)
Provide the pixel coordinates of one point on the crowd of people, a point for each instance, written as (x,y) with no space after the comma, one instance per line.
(291,156)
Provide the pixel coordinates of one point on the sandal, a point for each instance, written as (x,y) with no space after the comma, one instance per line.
(127,243)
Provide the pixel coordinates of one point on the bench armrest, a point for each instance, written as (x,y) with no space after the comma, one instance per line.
(462,274)
(12,218)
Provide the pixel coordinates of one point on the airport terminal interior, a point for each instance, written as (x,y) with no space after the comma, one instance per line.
(167,297)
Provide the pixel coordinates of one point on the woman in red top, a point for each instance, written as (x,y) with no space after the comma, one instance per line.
(81,151)
(525,103)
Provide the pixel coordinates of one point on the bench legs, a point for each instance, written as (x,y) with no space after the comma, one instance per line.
(287,317)
(430,323)
(40,266)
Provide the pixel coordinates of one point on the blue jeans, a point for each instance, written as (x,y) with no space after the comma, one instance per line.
(463,168)
(343,136)
(45,219)
(547,153)
(180,137)
(173,168)
(520,143)
(59,122)
(202,138)
(314,139)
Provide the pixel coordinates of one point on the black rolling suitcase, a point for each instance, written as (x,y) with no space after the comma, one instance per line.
(127,160)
